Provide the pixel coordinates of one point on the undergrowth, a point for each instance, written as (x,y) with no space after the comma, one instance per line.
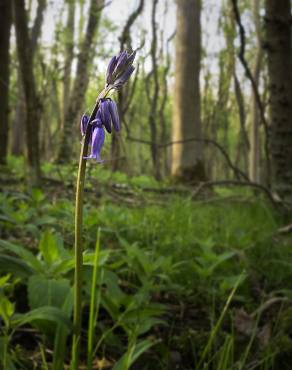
(177,283)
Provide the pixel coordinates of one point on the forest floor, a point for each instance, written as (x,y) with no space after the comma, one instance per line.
(184,280)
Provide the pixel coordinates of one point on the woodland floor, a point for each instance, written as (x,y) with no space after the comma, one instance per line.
(186,279)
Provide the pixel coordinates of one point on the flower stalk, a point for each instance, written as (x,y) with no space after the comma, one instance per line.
(78,236)
(117,75)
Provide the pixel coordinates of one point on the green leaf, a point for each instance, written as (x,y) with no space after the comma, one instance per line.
(45,313)
(3,352)
(62,266)
(23,253)
(51,247)
(37,195)
(61,335)
(133,354)
(47,292)
(4,279)
(15,266)
(6,309)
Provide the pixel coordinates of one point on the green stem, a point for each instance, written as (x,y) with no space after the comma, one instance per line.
(77,318)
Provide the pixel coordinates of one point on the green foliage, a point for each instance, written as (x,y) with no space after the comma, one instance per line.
(155,264)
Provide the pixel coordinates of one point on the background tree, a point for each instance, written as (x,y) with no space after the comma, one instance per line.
(153,94)
(18,123)
(5,24)
(187,158)
(25,51)
(254,171)
(278,46)
(69,54)
(125,95)
(78,90)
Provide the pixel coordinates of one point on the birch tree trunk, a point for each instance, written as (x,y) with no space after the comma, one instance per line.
(187,157)
(5,25)
(278,33)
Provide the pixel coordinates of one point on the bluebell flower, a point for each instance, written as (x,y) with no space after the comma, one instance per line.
(118,72)
(97,140)
(120,69)
(83,124)
(106,117)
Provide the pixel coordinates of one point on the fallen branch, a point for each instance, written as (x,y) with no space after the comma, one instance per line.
(237,172)
(254,185)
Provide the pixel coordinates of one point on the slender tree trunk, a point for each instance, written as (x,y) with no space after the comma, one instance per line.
(278,33)
(154,96)
(18,123)
(254,168)
(32,106)
(123,94)
(187,158)
(243,143)
(5,25)
(69,54)
(77,95)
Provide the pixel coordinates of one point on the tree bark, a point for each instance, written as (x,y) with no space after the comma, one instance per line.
(243,143)
(254,164)
(18,124)
(32,117)
(69,54)
(80,84)
(152,119)
(278,45)
(187,158)
(5,25)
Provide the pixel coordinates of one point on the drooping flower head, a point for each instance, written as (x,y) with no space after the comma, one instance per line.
(118,72)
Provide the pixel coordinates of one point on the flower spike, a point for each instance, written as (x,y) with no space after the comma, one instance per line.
(118,72)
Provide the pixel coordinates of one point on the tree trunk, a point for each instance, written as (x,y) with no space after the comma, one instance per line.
(32,116)
(187,158)
(124,95)
(152,119)
(5,25)
(69,54)
(18,124)
(243,143)
(278,32)
(254,167)
(77,95)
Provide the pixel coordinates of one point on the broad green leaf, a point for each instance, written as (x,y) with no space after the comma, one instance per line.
(50,247)
(14,266)
(47,292)
(45,313)
(62,267)
(23,253)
